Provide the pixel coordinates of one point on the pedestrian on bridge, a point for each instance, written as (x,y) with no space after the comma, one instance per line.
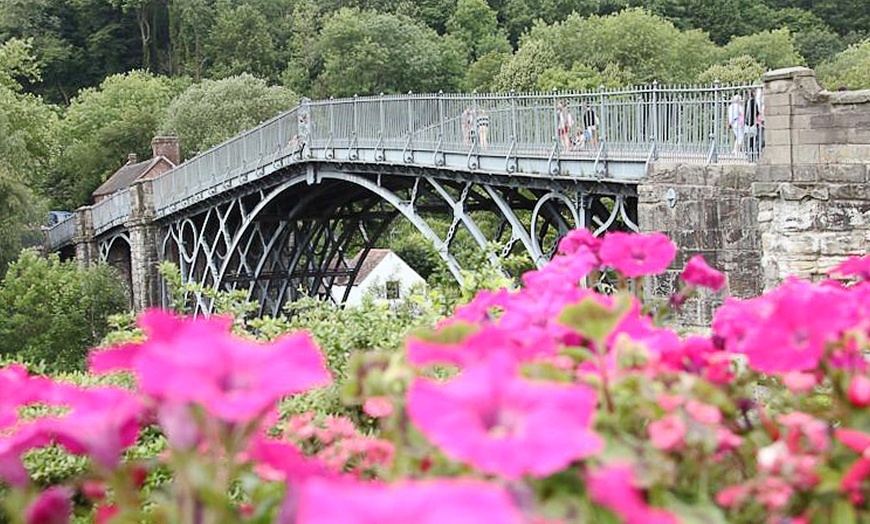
(736,122)
(483,127)
(590,125)
(565,122)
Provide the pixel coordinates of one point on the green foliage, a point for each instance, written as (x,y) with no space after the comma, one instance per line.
(849,69)
(737,70)
(772,49)
(55,311)
(583,78)
(644,47)
(522,71)
(102,126)
(481,74)
(475,24)
(241,43)
(208,113)
(366,52)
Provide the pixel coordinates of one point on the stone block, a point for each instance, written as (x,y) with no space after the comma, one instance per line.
(843,244)
(794,216)
(777,99)
(776,111)
(849,191)
(805,173)
(776,137)
(765,189)
(773,173)
(844,216)
(845,154)
(857,136)
(775,122)
(845,173)
(806,153)
(776,154)
(801,245)
(737,177)
(819,136)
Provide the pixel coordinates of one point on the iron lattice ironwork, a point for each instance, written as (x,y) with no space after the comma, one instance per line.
(295,236)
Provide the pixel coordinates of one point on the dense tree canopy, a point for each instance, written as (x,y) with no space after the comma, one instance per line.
(85,82)
(208,113)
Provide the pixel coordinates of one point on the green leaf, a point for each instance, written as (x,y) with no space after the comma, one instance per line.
(700,513)
(594,320)
(844,513)
(451,334)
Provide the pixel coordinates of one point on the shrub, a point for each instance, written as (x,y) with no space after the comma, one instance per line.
(55,311)
(549,403)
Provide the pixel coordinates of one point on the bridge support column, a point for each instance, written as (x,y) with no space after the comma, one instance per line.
(84,239)
(143,247)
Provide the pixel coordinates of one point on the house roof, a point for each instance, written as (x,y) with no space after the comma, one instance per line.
(371,261)
(128,174)
(375,256)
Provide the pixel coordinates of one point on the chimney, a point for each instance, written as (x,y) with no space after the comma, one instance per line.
(166,146)
(132,158)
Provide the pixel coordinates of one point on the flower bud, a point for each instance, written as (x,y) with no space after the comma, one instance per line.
(859,391)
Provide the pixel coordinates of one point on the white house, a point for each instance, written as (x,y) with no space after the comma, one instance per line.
(383,274)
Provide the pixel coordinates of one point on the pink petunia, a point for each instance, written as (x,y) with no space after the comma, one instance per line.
(503,424)
(456,501)
(615,488)
(378,407)
(635,254)
(53,506)
(859,391)
(563,271)
(576,239)
(199,361)
(18,388)
(853,267)
(698,273)
(13,446)
(101,424)
(668,433)
(788,329)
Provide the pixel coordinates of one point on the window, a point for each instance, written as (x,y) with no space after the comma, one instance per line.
(392,289)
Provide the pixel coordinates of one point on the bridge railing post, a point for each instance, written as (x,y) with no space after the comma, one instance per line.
(654,110)
(714,138)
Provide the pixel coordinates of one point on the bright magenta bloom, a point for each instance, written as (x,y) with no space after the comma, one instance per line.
(563,271)
(860,469)
(422,502)
(13,446)
(503,424)
(17,389)
(102,423)
(635,255)
(577,239)
(859,391)
(698,273)
(53,506)
(378,407)
(787,329)
(199,361)
(853,267)
(668,434)
(614,488)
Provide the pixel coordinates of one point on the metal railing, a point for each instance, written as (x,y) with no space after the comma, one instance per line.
(644,124)
(111,211)
(61,233)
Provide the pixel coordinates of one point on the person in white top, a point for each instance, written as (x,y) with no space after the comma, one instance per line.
(735,122)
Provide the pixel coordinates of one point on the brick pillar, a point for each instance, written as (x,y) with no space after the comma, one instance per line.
(143,246)
(84,239)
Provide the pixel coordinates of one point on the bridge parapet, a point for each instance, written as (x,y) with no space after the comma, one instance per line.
(501,134)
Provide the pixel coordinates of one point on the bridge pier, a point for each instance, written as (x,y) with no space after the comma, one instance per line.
(802,210)
(144,234)
(84,238)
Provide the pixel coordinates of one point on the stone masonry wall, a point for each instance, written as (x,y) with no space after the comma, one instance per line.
(812,184)
(706,210)
(804,208)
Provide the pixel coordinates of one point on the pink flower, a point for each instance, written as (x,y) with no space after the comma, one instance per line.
(53,506)
(503,424)
(424,502)
(199,361)
(563,271)
(102,423)
(280,460)
(732,496)
(668,433)
(858,442)
(859,391)
(798,382)
(670,402)
(12,446)
(577,239)
(727,440)
(853,267)
(635,254)
(615,488)
(698,273)
(17,389)
(378,407)
(703,413)
(787,329)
